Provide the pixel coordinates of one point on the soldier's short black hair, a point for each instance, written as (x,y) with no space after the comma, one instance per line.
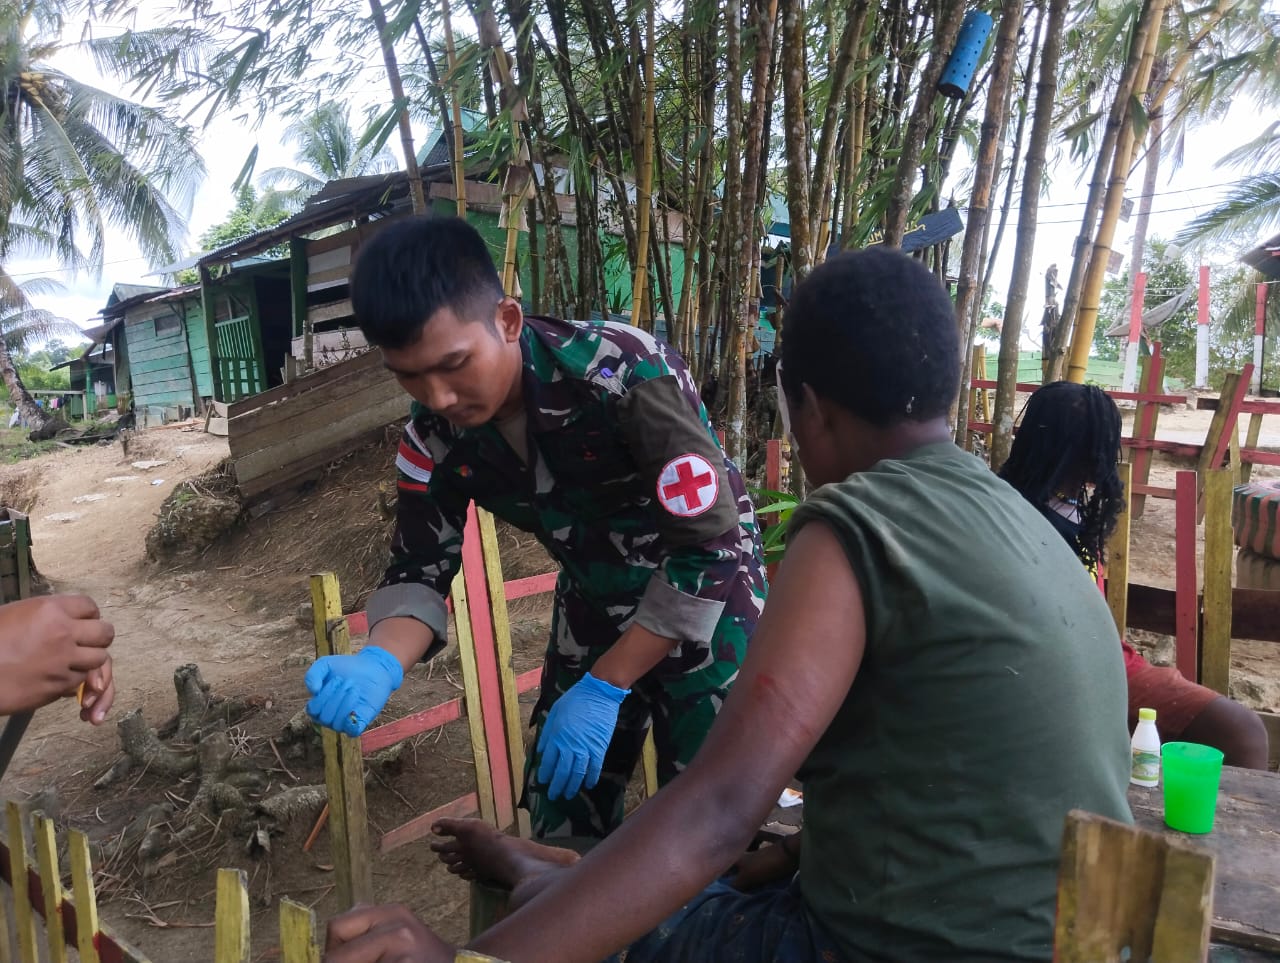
(875,332)
(411,269)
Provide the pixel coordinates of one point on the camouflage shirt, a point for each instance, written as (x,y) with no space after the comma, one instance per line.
(625,485)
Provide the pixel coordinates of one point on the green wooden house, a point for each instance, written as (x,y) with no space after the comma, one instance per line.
(175,350)
(324,239)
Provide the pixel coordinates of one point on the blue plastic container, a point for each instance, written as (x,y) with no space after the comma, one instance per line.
(964,59)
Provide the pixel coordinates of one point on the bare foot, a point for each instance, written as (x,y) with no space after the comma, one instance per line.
(473,849)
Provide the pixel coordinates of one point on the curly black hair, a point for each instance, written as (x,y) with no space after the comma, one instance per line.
(874,331)
(1067,447)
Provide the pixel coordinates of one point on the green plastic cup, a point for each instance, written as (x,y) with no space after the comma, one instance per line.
(1191,773)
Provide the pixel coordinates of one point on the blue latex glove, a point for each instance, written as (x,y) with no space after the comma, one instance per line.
(350,690)
(576,734)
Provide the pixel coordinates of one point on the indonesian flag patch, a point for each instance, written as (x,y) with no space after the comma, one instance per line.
(414,464)
(688,486)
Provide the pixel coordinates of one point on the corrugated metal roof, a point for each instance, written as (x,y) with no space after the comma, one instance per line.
(1265,258)
(116,307)
(337,201)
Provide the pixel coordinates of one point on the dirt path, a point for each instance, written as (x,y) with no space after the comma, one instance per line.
(93,508)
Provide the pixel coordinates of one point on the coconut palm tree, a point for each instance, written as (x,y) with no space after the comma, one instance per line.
(74,160)
(22,326)
(327,150)
(1250,208)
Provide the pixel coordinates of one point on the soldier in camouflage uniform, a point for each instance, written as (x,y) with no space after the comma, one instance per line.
(592,437)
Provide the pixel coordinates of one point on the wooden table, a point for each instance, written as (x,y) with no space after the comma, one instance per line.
(1246,842)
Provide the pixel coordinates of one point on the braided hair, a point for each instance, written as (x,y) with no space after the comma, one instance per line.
(1069,440)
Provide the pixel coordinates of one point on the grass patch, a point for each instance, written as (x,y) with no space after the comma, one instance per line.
(14,446)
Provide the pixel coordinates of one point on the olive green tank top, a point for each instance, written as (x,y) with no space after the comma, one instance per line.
(990,702)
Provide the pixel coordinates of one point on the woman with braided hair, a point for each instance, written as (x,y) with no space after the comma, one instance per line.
(1063,461)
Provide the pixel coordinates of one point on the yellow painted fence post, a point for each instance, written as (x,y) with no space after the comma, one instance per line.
(343,762)
(231,918)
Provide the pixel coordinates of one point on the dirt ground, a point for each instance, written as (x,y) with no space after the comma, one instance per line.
(235,612)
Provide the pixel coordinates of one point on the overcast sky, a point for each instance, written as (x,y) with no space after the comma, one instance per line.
(1180,195)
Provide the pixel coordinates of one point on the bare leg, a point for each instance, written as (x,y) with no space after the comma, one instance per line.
(473,849)
(1227,725)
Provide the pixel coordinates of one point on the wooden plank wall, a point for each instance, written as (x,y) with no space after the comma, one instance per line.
(159,365)
(198,343)
(284,435)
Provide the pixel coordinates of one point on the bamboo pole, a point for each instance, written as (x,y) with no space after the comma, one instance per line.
(1096,272)
(518,179)
(985,169)
(644,179)
(397,91)
(459,135)
(1148,22)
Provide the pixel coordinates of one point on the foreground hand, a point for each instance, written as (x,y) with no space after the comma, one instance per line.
(576,736)
(383,934)
(48,645)
(98,694)
(350,690)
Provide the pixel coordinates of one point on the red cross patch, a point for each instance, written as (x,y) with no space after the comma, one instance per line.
(688,486)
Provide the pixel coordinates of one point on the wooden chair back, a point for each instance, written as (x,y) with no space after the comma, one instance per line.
(1129,894)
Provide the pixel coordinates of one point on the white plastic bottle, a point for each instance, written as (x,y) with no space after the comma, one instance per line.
(1146,751)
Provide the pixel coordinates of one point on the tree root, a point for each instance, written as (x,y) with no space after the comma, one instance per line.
(217,790)
(143,750)
(198,708)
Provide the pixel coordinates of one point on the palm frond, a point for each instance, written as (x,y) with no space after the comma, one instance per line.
(151,140)
(28,327)
(1262,151)
(1248,210)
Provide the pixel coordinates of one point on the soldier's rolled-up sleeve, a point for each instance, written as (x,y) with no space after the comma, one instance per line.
(696,510)
(426,548)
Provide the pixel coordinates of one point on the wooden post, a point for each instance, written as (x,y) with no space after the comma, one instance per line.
(22,550)
(343,764)
(299,270)
(231,918)
(298,943)
(23,917)
(506,673)
(50,888)
(1125,890)
(86,900)
(1118,554)
(978,396)
(489,904)
(649,756)
(1144,426)
(1215,653)
(471,698)
(1251,441)
(484,652)
(1187,598)
(5,939)
(1222,426)
(1234,464)
(209,310)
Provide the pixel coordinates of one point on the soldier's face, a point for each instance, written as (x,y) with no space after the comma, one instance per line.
(465,370)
